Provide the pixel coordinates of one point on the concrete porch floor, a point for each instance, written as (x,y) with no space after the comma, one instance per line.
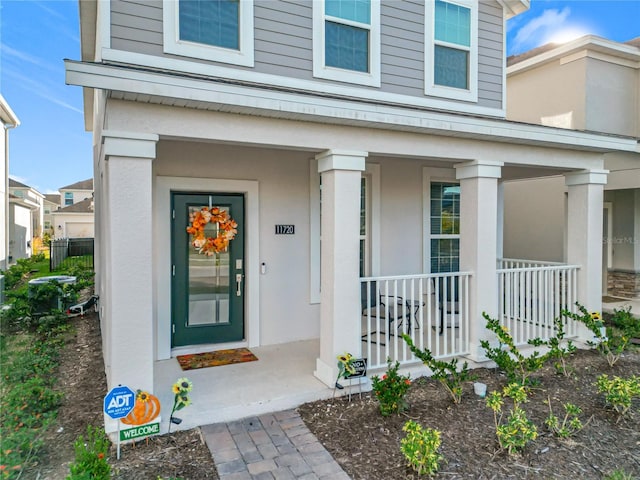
(281,379)
(611,303)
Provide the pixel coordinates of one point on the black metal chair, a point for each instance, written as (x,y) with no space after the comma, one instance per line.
(448,297)
(391,308)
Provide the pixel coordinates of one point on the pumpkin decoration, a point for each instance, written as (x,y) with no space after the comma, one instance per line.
(146,409)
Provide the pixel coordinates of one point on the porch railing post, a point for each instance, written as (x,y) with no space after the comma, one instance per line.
(479,244)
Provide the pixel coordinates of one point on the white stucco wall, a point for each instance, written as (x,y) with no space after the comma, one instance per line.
(4,199)
(534,219)
(20,232)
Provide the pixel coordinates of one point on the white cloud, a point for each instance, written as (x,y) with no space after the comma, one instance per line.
(537,31)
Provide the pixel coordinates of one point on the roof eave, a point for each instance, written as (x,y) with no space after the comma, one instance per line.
(512,8)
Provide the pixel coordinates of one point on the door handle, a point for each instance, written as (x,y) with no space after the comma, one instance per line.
(238,284)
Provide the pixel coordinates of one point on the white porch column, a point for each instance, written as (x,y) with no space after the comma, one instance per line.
(584,233)
(479,244)
(339,266)
(126,215)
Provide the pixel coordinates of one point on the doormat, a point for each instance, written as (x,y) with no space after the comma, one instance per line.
(215,359)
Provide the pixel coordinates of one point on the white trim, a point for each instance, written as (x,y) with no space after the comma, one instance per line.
(185,66)
(373,171)
(589,42)
(172,43)
(431,174)
(430,88)
(603,57)
(586,177)
(478,168)
(314,232)
(320,70)
(608,206)
(162,205)
(103,39)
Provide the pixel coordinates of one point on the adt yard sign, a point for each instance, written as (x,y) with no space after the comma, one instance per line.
(119,402)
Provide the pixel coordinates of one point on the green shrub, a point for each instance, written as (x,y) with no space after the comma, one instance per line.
(391,389)
(420,448)
(91,456)
(610,342)
(516,430)
(508,357)
(446,373)
(571,423)
(558,351)
(619,392)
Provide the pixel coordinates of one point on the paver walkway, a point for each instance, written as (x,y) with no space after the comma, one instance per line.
(272,446)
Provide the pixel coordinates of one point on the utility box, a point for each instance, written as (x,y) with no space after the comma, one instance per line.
(57,301)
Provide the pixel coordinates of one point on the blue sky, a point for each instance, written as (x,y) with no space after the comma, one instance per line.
(50,149)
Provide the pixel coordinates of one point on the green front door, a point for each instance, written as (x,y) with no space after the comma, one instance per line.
(207,288)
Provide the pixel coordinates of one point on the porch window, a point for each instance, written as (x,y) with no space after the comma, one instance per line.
(346,36)
(451,50)
(445,227)
(218,30)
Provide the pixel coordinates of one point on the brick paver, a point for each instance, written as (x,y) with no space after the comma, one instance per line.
(273,446)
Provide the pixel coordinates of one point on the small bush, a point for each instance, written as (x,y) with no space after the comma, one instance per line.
(619,392)
(391,389)
(558,350)
(420,448)
(510,360)
(571,423)
(517,430)
(446,373)
(91,456)
(610,342)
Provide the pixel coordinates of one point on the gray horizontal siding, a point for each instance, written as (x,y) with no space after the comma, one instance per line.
(490,53)
(283,42)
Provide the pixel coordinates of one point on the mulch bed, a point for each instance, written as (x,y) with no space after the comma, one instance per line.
(367,445)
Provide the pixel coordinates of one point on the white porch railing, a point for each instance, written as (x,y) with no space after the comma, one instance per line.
(531,295)
(431,308)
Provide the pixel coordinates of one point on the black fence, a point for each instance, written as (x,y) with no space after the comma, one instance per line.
(67,252)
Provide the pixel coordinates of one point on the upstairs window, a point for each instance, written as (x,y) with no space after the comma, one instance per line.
(68,198)
(451,49)
(346,41)
(218,30)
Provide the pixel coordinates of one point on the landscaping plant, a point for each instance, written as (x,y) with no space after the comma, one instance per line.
(508,357)
(571,423)
(610,342)
(558,351)
(516,430)
(91,456)
(446,373)
(420,448)
(391,389)
(619,392)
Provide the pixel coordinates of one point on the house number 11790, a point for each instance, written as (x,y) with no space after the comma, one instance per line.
(285,229)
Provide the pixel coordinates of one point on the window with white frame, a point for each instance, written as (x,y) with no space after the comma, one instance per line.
(68,198)
(369,256)
(346,41)
(218,30)
(451,49)
(444,198)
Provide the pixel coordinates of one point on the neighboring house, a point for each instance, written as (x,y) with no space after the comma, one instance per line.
(9,120)
(76,192)
(397,109)
(74,221)
(589,84)
(26,218)
(51,204)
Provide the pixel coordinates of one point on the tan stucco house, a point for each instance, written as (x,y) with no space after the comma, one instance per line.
(589,84)
(362,153)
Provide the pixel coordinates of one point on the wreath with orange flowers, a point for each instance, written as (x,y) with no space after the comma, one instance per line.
(227,230)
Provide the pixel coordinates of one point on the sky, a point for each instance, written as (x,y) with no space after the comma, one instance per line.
(50,149)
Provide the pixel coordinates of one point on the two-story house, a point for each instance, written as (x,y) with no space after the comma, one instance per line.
(9,120)
(74,218)
(51,204)
(26,217)
(589,84)
(359,148)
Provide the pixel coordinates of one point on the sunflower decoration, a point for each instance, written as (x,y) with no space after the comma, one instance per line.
(227,230)
(345,368)
(181,390)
